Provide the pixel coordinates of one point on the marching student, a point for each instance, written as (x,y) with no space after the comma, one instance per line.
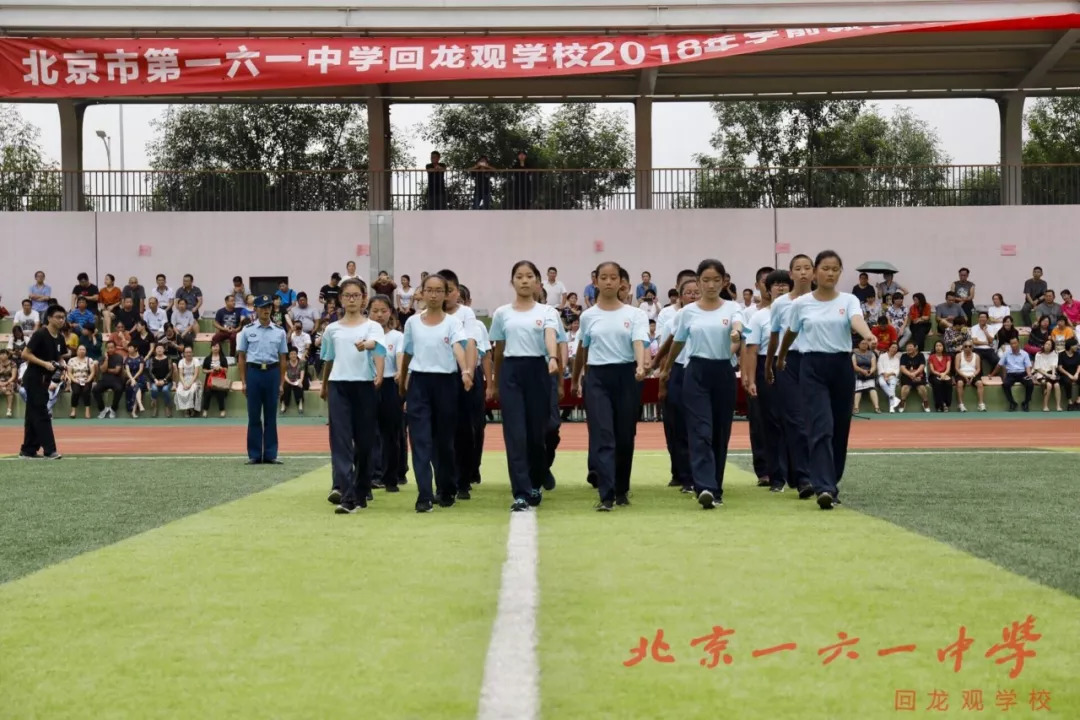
(758,451)
(433,353)
(390,413)
(760,392)
(552,436)
(525,357)
(613,339)
(475,406)
(710,329)
(825,319)
(671,389)
(354,355)
(794,463)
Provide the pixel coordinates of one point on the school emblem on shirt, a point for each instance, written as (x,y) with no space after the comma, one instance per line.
(626,324)
(446,340)
(725,322)
(390,348)
(842,311)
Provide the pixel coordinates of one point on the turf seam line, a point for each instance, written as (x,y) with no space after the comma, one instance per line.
(511,687)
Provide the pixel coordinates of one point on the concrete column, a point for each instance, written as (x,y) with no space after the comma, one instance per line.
(71,155)
(643,170)
(1011,110)
(378,111)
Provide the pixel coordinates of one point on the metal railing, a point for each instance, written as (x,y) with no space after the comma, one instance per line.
(540,189)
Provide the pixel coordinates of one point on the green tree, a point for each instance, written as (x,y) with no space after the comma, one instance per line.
(830,153)
(579,154)
(262,157)
(28,181)
(1053,129)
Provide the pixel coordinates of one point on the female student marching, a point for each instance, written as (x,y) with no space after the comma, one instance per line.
(671,390)
(552,437)
(475,407)
(389,412)
(612,340)
(353,354)
(710,329)
(525,358)
(825,320)
(433,348)
(794,463)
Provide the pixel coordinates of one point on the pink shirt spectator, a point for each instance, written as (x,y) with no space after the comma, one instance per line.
(1071,310)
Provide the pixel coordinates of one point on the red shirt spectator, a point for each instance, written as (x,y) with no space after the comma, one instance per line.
(885,334)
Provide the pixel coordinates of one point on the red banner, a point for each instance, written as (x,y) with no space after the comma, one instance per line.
(91,67)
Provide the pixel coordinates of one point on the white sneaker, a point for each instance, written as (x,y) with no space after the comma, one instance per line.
(982,407)
(112,413)
(893,403)
(926,409)
(103,415)
(962,408)
(901,410)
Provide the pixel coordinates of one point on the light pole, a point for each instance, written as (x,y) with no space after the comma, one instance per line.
(107,142)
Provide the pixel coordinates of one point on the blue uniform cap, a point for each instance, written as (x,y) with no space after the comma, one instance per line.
(263,301)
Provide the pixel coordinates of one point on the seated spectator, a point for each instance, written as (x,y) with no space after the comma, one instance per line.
(190,294)
(109,298)
(1034,291)
(161,380)
(163,294)
(864,290)
(888,366)
(81,316)
(865,363)
(91,340)
(303,314)
(71,338)
(216,368)
(188,374)
(174,348)
(1039,335)
(127,314)
(136,381)
(948,311)
(227,323)
(1061,333)
(277,312)
(649,305)
(287,298)
(982,341)
(331,314)
(109,377)
(136,293)
(919,321)
(239,291)
(332,291)
(1070,308)
(889,287)
(247,312)
(872,310)
(295,383)
(141,339)
(955,336)
(1016,366)
(183,321)
(87,290)
(17,344)
(968,374)
(155,318)
(964,290)
(646,285)
(1045,374)
(1048,308)
(80,380)
(571,310)
(884,332)
(120,337)
(997,312)
(1069,372)
(898,318)
(383,285)
(941,380)
(913,375)
(27,318)
(301,341)
(1006,335)
(8,377)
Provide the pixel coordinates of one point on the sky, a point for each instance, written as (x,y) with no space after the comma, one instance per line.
(968,129)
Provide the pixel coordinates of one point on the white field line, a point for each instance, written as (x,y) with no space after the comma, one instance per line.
(511,687)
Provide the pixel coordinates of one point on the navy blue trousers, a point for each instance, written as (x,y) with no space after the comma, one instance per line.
(612,400)
(795,456)
(387,447)
(526,406)
(432,408)
(678,443)
(827,381)
(758,451)
(468,430)
(552,438)
(352,407)
(263,389)
(709,402)
(770,411)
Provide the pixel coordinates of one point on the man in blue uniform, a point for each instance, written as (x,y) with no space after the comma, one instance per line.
(261,354)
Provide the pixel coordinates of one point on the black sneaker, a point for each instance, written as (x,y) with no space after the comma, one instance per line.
(622,500)
(687,490)
(777,489)
(476,480)
(674,483)
(392,488)
(377,485)
(447,501)
(806,492)
(763,482)
(604,506)
(592,479)
(369,496)
(549,481)
(423,507)
(707,500)
(519,505)
(464,494)
(1026,407)
(54,456)
(535,498)
(334,497)
(825,501)
(346,509)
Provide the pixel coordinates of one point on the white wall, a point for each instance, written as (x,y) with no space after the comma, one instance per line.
(60,244)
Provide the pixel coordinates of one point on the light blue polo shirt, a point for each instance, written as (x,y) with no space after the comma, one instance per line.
(825,327)
(758,330)
(707,333)
(666,325)
(431,346)
(1015,363)
(350,364)
(523,331)
(779,321)
(476,332)
(393,342)
(610,334)
(263,344)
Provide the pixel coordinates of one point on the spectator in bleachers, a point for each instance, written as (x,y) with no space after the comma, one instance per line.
(80,380)
(109,377)
(1034,293)
(1038,336)
(91,340)
(482,175)
(278,311)
(127,314)
(136,380)
(888,366)
(1061,333)
(136,292)
(997,312)
(590,292)
(27,318)
(120,337)
(436,182)
(872,310)
(303,314)
(188,374)
(1070,308)
(155,317)
(247,312)
(216,368)
(955,336)
(646,285)
(331,314)
(572,310)
(300,340)
(17,344)
(864,290)
(85,290)
(227,323)
(1069,372)
(384,284)
(71,338)
(330,291)
(947,312)
(109,298)
(649,306)
(191,294)
(183,321)
(919,319)
(889,287)
(1045,374)
(554,289)
(884,332)
(40,294)
(161,379)
(239,292)
(1048,309)
(969,373)
(174,347)
(164,295)
(913,375)
(1016,366)
(403,300)
(81,314)
(295,382)
(350,272)
(728,291)
(983,343)
(865,363)
(142,339)
(964,290)
(8,377)
(286,295)
(899,319)
(941,381)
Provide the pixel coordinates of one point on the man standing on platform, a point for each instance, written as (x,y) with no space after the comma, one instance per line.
(261,354)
